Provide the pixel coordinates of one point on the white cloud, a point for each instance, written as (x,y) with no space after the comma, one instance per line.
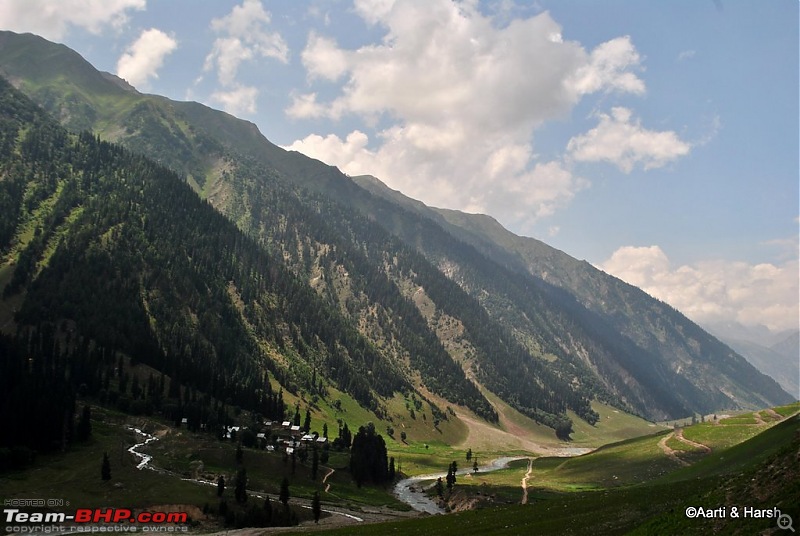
(332,149)
(714,291)
(238,100)
(243,36)
(462,97)
(624,142)
(227,53)
(305,106)
(145,56)
(609,69)
(52,20)
(322,58)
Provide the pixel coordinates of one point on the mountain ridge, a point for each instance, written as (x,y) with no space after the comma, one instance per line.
(542,303)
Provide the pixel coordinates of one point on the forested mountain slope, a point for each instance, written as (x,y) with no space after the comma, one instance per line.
(441,296)
(107,255)
(105,249)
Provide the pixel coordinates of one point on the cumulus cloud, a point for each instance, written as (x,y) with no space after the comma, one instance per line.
(322,58)
(608,69)
(243,35)
(462,97)
(53,19)
(145,56)
(305,105)
(237,100)
(714,291)
(622,141)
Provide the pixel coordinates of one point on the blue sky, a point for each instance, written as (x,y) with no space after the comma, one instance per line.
(657,140)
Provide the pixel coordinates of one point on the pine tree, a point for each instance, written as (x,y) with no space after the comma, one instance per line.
(316,507)
(451,476)
(284,494)
(296,420)
(267,511)
(105,469)
(307,421)
(240,491)
(314,463)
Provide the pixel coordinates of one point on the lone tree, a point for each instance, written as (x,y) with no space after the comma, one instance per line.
(316,507)
(220,486)
(469,454)
(105,469)
(284,495)
(451,476)
(368,458)
(267,511)
(296,419)
(314,463)
(240,492)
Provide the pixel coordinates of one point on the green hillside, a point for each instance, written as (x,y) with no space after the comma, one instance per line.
(764,475)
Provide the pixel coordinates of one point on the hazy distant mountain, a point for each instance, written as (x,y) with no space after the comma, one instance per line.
(760,335)
(789,347)
(774,354)
(446,300)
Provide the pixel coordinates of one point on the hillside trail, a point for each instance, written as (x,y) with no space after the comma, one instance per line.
(679,437)
(669,452)
(331,470)
(525,482)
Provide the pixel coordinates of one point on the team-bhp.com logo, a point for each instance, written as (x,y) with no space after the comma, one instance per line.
(95,515)
(86,520)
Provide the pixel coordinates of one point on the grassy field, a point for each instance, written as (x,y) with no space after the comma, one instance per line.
(617,487)
(614,425)
(760,472)
(74,476)
(620,464)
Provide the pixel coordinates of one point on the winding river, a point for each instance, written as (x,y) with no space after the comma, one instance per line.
(419,500)
(410,492)
(407,490)
(144,463)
